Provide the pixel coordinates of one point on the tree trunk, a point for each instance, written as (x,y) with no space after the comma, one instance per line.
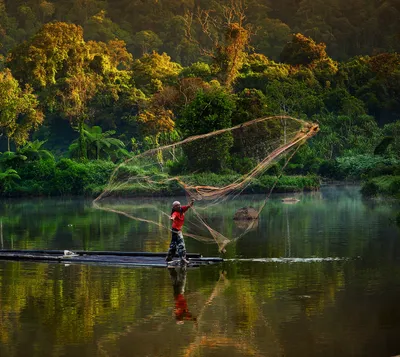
(8,143)
(82,142)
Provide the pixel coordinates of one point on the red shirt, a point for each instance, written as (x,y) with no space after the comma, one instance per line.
(179,218)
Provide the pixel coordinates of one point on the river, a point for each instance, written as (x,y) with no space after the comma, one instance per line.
(317,278)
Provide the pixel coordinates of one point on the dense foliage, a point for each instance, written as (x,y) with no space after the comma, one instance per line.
(103,80)
(348,28)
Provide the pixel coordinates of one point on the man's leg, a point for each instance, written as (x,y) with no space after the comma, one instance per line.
(172,247)
(182,248)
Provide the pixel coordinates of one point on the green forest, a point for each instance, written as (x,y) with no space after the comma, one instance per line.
(86,84)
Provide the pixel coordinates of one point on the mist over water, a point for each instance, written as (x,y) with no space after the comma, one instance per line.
(316,278)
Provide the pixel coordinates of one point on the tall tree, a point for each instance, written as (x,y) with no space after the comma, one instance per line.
(303,51)
(226,35)
(80,90)
(56,51)
(19,113)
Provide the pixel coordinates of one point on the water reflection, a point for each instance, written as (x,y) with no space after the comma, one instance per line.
(178,278)
(292,298)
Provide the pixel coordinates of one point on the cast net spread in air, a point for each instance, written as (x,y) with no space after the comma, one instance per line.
(214,169)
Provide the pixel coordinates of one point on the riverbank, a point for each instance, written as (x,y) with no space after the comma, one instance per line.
(68,177)
(387,186)
(261,185)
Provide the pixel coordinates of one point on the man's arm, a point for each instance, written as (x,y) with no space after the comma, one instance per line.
(185,208)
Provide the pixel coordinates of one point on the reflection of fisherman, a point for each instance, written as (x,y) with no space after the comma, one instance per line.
(177,242)
(178,277)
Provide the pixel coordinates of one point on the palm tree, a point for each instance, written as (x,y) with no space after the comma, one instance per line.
(34,151)
(7,179)
(11,159)
(99,142)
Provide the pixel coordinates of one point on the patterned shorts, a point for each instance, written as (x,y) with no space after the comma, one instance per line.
(177,245)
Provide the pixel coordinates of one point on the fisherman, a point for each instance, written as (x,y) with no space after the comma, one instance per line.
(177,242)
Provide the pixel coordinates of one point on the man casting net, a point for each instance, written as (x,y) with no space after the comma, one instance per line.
(214,169)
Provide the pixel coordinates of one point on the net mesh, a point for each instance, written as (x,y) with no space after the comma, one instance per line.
(241,156)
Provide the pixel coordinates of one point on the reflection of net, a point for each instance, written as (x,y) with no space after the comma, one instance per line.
(250,148)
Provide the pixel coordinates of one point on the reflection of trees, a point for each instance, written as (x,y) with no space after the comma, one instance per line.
(314,224)
(76,299)
(68,303)
(333,223)
(71,224)
(239,311)
(227,310)
(106,308)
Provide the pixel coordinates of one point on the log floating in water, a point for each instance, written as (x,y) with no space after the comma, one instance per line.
(104,258)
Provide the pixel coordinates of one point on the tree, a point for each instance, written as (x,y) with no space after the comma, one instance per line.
(34,150)
(56,51)
(208,112)
(393,130)
(7,179)
(271,37)
(75,78)
(98,143)
(302,51)
(292,97)
(80,90)
(152,71)
(230,56)
(145,42)
(250,104)
(228,38)
(156,120)
(100,28)
(8,30)
(19,112)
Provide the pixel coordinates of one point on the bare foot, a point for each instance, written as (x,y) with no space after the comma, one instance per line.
(184,260)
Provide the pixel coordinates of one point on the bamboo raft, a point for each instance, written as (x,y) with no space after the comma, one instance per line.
(127,259)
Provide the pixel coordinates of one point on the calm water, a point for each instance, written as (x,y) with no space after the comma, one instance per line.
(318,278)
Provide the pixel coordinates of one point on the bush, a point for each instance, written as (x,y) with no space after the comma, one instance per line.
(39,170)
(70,177)
(242,165)
(99,172)
(125,171)
(361,166)
(370,189)
(36,177)
(383,185)
(330,169)
(178,166)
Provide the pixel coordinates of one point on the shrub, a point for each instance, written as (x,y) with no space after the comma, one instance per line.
(359,166)
(383,185)
(242,165)
(39,170)
(178,166)
(370,189)
(70,177)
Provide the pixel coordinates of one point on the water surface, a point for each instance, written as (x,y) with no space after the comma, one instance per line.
(318,278)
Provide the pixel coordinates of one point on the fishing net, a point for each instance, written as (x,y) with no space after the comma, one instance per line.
(214,169)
